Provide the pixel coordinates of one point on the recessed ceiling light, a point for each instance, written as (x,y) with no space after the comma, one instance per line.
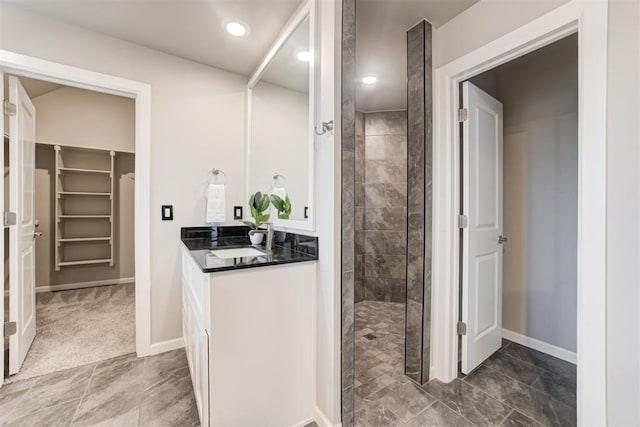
(304,56)
(369,80)
(236,28)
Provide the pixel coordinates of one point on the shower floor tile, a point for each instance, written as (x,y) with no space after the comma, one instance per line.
(515,386)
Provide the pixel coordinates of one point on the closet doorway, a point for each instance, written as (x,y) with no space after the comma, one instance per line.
(69,260)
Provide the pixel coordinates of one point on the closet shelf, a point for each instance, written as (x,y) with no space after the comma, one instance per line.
(84,216)
(82,193)
(63,177)
(78,170)
(84,262)
(84,239)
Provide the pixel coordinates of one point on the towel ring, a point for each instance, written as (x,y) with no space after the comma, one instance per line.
(276,177)
(215,175)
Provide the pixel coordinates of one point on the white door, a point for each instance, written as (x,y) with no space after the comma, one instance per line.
(22,297)
(481,238)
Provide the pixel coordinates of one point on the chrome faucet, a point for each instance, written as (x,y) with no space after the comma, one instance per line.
(268,232)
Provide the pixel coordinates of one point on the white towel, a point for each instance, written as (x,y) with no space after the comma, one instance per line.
(216,204)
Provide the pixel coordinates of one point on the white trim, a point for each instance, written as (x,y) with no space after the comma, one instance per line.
(164,346)
(304,422)
(82,285)
(590,19)
(307,9)
(77,77)
(4,132)
(79,285)
(550,349)
(321,419)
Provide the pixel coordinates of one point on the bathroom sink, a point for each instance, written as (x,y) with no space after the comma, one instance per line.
(237,253)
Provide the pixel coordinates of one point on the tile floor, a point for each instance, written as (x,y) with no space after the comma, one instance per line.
(122,391)
(516,386)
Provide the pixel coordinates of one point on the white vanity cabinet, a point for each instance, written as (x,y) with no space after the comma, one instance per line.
(249,335)
(195,311)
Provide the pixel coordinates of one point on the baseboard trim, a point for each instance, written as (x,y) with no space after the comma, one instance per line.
(164,346)
(304,423)
(322,420)
(82,285)
(542,346)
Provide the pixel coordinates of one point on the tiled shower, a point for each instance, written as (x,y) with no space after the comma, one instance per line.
(380,280)
(386,219)
(381,206)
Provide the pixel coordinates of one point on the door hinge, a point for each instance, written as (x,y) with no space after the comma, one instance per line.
(463,221)
(462,328)
(9,108)
(463,115)
(10,328)
(9,218)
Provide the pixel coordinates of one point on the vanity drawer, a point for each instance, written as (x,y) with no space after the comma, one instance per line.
(195,285)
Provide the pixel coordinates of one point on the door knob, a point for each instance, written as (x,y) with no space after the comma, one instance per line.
(37,234)
(502,239)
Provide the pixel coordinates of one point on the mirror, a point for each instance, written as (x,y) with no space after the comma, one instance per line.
(280,148)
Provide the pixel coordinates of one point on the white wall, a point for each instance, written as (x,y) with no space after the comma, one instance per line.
(328,213)
(623,214)
(478,26)
(82,118)
(197,123)
(280,142)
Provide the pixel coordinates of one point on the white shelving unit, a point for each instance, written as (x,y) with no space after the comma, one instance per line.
(75,183)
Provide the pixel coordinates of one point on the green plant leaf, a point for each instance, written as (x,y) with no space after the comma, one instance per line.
(258,203)
(263,204)
(277,202)
(287,206)
(250,224)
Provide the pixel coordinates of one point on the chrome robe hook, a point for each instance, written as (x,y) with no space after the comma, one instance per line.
(326,127)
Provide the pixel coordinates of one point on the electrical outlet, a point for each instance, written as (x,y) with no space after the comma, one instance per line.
(167,212)
(237,212)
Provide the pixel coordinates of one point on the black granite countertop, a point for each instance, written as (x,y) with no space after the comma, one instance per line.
(287,248)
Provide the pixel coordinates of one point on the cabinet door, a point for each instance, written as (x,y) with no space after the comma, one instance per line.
(199,342)
(202,375)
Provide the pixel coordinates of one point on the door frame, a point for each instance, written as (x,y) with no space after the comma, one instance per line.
(28,66)
(589,20)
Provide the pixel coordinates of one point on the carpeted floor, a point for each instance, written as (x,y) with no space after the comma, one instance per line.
(79,327)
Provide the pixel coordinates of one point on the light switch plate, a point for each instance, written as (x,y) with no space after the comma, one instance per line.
(237,212)
(167,212)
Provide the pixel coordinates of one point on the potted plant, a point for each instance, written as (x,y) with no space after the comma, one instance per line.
(258,203)
(282,206)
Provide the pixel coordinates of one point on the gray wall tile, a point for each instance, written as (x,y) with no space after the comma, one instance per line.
(419,153)
(349,123)
(386,123)
(382,237)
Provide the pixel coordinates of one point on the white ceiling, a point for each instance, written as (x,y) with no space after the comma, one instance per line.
(381,28)
(191,29)
(285,69)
